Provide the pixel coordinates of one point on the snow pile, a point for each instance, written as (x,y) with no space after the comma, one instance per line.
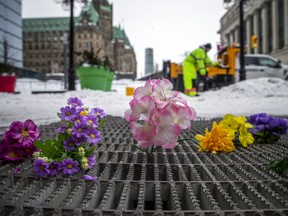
(247,97)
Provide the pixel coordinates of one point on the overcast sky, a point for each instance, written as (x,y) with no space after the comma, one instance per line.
(170,27)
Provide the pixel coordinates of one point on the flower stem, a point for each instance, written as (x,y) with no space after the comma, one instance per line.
(194,140)
(140,148)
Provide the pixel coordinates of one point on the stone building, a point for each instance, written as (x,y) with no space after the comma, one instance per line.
(44,40)
(266,19)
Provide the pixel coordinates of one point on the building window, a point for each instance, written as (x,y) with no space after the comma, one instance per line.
(270,27)
(260,34)
(228,39)
(251,29)
(245,30)
(281,22)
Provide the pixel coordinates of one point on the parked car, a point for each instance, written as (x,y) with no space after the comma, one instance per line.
(260,65)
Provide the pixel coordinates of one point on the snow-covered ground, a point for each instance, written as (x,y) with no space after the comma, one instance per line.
(268,95)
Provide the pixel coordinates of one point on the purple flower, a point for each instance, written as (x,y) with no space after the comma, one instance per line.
(67,113)
(91,161)
(79,130)
(272,124)
(8,152)
(24,132)
(267,129)
(17,170)
(75,102)
(80,119)
(90,178)
(70,167)
(62,129)
(69,144)
(25,151)
(41,168)
(99,112)
(92,121)
(283,124)
(54,168)
(93,136)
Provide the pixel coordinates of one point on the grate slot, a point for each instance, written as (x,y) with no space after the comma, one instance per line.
(133,196)
(77,194)
(39,197)
(149,199)
(186,199)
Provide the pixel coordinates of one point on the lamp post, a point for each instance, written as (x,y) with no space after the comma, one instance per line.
(65,59)
(69,4)
(242,71)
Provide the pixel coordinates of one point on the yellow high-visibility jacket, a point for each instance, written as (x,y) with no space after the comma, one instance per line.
(195,60)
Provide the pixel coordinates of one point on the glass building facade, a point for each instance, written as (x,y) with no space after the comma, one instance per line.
(11,31)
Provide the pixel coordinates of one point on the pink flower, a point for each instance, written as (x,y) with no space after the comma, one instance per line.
(162,112)
(141,132)
(163,92)
(144,91)
(167,131)
(143,107)
(182,115)
(130,116)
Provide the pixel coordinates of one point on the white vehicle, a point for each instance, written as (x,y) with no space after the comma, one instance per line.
(260,65)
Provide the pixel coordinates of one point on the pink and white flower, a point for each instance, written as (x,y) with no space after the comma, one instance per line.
(163,114)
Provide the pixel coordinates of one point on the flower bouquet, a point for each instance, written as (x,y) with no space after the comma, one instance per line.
(268,129)
(223,137)
(18,141)
(157,115)
(74,147)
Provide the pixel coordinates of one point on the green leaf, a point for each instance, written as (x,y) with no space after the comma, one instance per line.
(48,148)
(102,121)
(89,151)
(279,166)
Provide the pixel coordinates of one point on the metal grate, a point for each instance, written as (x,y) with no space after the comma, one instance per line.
(179,181)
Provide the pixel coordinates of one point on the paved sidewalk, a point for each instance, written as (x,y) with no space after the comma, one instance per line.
(179,181)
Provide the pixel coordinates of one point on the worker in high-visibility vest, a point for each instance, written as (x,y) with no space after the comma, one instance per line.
(193,62)
(204,78)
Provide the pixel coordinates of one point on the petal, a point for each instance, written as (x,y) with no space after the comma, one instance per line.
(166,135)
(130,116)
(145,144)
(141,132)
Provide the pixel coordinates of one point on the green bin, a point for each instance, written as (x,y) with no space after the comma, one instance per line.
(97,78)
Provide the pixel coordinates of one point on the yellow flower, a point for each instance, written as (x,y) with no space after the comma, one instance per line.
(238,125)
(217,140)
(230,122)
(245,137)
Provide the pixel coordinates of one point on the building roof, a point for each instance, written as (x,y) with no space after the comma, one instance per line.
(119,33)
(106,8)
(94,15)
(57,23)
(62,23)
(46,24)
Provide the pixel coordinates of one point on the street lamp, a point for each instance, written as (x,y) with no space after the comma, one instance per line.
(69,4)
(242,71)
